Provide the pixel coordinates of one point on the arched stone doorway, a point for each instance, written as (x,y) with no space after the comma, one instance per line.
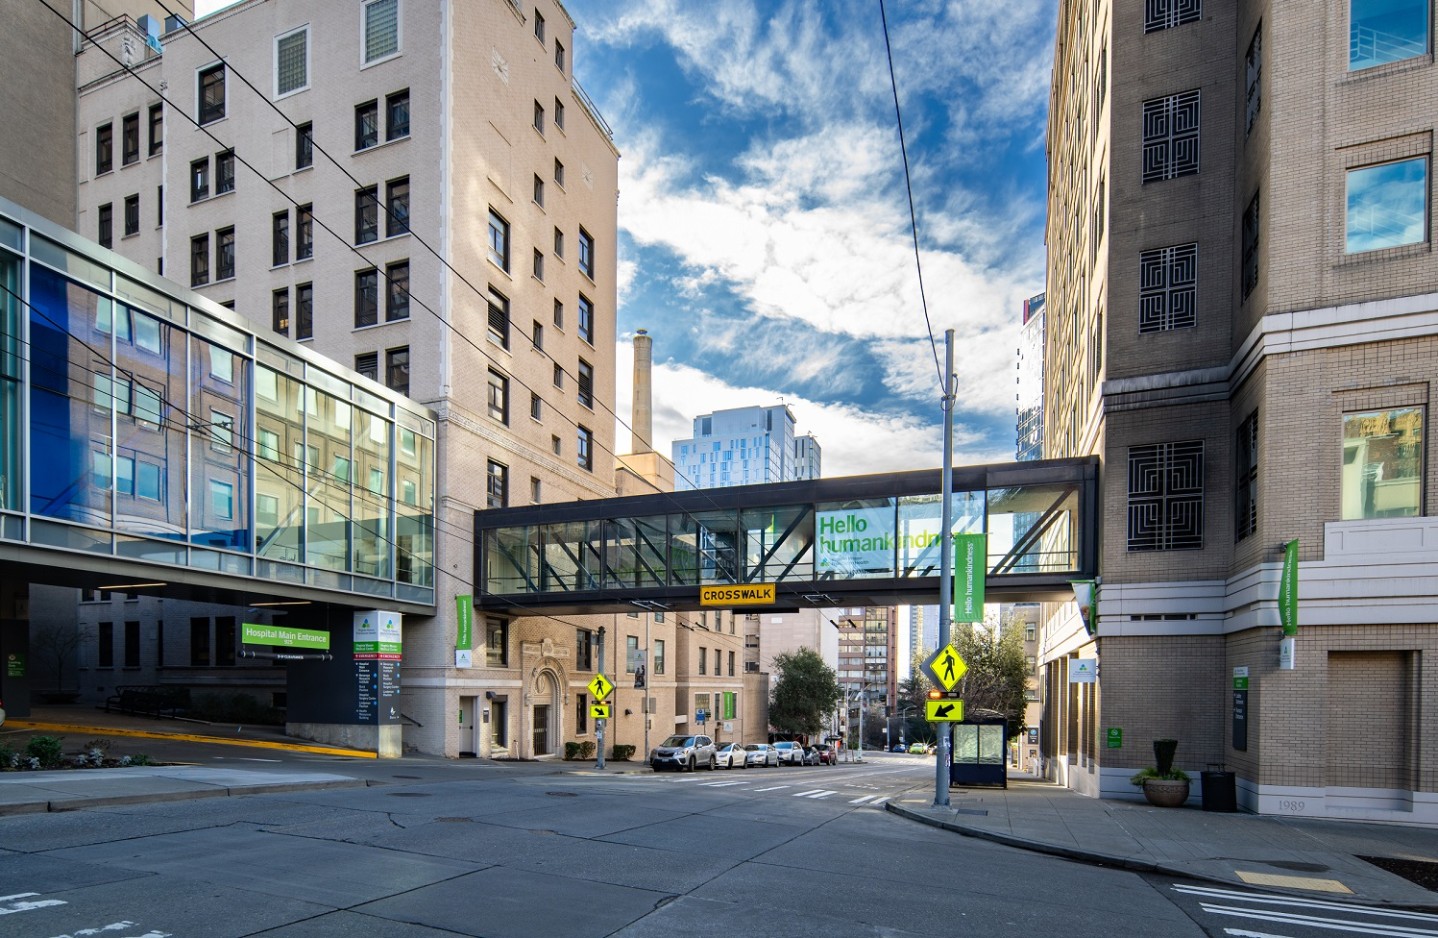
(546,706)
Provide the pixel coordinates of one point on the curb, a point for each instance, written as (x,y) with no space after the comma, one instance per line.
(83,803)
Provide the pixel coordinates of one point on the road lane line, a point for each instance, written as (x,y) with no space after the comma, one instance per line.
(775,788)
(863,799)
(1313,921)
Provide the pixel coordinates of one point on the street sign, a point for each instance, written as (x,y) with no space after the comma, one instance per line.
(944,711)
(1115,737)
(599,711)
(699,715)
(600,687)
(746,594)
(946,667)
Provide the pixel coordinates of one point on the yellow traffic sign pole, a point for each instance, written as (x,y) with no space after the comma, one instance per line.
(946,560)
(599,724)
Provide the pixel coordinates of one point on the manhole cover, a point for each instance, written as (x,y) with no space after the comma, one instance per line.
(562,794)
(408,794)
(1421,872)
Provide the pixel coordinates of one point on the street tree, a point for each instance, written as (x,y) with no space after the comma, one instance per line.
(804,694)
(997,672)
(58,644)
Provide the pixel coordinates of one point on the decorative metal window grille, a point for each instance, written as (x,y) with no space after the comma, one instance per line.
(1245,508)
(1170,136)
(1253,87)
(1166,14)
(1165,496)
(1250,246)
(1168,288)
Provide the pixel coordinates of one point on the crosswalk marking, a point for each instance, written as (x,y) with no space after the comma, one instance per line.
(775,788)
(22,902)
(720,784)
(814,793)
(1264,899)
(863,799)
(1309,913)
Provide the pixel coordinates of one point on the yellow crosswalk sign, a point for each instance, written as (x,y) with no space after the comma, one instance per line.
(600,687)
(944,711)
(599,711)
(946,667)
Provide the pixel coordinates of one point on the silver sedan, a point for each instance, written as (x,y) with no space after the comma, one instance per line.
(760,754)
(730,755)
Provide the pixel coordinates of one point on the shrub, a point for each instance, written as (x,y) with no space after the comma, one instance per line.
(586,749)
(622,753)
(8,757)
(234,708)
(571,751)
(45,750)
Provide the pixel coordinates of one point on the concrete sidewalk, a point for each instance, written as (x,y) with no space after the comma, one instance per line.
(75,789)
(1314,857)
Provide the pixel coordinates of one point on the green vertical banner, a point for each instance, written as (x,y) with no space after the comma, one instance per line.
(464,634)
(1288,589)
(971,562)
(728,705)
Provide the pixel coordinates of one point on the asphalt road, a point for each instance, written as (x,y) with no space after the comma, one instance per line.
(467,849)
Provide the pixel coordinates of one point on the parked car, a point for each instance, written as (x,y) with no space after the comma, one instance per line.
(918,749)
(729,755)
(811,756)
(828,755)
(683,752)
(760,754)
(899,747)
(790,753)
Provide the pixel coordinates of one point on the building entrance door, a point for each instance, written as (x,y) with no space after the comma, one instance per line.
(541,729)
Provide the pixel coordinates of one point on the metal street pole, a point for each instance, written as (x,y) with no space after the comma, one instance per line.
(946,560)
(599,723)
(648,676)
(859,755)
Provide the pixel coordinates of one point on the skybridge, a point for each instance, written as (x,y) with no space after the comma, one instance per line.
(858,541)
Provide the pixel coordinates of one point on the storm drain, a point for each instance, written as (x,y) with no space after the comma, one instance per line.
(1420,872)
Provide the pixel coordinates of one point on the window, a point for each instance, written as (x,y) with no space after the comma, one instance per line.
(536,336)
(280,238)
(538,191)
(366,297)
(397,207)
(280,311)
(585,456)
(498,241)
(559,174)
(583,650)
(1100,81)
(200,179)
(559,113)
(199,260)
(396,372)
(586,253)
(106,225)
(1250,246)
(292,65)
(224,172)
(129,139)
(1382,31)
(104,148)
(1170,136)
(539,117)
(558,375)
(731,664)
(160,215)
(538,265)
(558,315)
(1165,496)
(1166,14)
(366,215)
(224,254)
(497,485)
(558,55)
(658,656)
(1387,205)
(499,397)
(498,318)
(586,319)
(396,115)
(496,643)
(304,145)
(222,431)
(1168,288)
(381,30)
(581,715)
(1100,206)
(703,660)
(555,444)
(366,125)
(212,93)
(396,306)
(304,232)
(157,128)
(305,311)
(267,446)
(558,242)
(536,406)
(1383,463)
(1245,488)
(534,490)
(585,382)
(105,645)
(631,653)
(539,26)
(368,365)
(1253,81)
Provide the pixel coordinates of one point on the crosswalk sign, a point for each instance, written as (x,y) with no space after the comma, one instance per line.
(944,711)
(946,667)
(599,711)
(600,687)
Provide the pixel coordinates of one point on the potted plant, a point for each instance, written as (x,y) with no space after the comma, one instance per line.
(1162,784)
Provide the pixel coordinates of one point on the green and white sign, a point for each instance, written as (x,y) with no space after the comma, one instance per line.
(464,617)
(970,567)
(1288,590)
(377,634)
(1115,737)
(257,633)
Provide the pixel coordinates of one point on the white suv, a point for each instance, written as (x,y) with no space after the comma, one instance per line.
(683,752)
(790,753)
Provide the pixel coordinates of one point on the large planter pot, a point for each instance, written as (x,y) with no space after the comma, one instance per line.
(1165,793)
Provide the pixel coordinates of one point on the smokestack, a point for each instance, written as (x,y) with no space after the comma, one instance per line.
(642,422)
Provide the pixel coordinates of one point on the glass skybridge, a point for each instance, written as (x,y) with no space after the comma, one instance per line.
(861,540)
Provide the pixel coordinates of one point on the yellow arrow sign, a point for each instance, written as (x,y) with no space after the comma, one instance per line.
(599,711)
(947,667)
(600,687)
(944,711)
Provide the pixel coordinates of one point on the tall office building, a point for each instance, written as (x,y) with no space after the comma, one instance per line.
(1029,398)
(744,446)
(1242,316)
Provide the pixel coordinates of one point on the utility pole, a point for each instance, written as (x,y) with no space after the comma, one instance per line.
(946,561)
(648,676)
(599,723)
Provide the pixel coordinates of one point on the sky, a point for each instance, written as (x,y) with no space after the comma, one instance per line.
(765,239)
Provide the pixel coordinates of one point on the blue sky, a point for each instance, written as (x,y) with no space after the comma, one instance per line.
(764,228)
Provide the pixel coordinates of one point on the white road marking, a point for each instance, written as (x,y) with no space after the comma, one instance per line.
(807,794)
(863,799)
(1266,899)
(775,788)
(16,903)
(720,784)
(1240,933)
(1313,921)
(114,926)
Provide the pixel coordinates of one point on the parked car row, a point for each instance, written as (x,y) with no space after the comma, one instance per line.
(915,748)
(687,753)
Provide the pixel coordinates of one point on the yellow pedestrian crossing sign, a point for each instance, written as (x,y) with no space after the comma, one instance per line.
(599,711)
(944,711)
(600,687)
(946,667)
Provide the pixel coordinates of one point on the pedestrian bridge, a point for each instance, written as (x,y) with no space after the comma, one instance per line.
(856,541)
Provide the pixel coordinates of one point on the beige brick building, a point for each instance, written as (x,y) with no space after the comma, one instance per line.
(1242,311)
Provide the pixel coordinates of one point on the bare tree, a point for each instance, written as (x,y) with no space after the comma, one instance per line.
(59,644)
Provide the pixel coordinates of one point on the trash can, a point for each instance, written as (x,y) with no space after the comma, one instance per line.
(1219,790)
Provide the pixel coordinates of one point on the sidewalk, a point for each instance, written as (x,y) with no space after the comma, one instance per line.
(1307,856)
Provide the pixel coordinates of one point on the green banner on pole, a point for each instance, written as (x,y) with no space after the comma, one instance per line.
(1288,589)
(464,634)
(970,567)
(729,705)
